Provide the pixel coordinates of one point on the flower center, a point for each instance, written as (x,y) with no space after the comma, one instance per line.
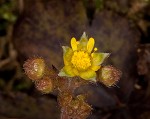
(81,60)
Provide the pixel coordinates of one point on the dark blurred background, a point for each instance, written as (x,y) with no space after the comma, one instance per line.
(38,28)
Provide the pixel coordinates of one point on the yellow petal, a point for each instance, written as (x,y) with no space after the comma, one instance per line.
(75,71)
(90,45)
(66,71)
(95,68)
(74,44)
(67,54)
(88,75)
(98,58)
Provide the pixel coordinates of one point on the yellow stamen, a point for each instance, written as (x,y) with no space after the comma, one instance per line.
(95,49)
(81,60)
(90,45)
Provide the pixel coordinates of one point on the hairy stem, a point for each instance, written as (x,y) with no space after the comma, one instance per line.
(64,114)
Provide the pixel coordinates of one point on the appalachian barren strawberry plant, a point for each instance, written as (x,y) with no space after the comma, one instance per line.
(82,65)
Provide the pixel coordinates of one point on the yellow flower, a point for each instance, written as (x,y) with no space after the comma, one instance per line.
(81,59)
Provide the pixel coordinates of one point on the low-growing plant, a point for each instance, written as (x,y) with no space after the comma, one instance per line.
(82,66)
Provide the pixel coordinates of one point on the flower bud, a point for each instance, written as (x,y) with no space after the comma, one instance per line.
(44,85)
(34,68)
(109,75)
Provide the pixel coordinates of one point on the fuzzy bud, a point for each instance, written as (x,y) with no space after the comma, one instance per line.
(109,75)
(34,68)
(44,85)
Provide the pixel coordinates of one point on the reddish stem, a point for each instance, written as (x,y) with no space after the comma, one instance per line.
(64,114)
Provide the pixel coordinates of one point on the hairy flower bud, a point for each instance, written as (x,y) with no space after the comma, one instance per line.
(44,85)
(34,68)
(109,75)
